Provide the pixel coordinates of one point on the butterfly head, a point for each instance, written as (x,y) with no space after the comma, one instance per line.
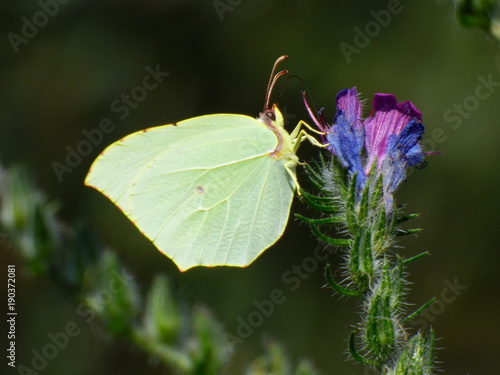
(272,117)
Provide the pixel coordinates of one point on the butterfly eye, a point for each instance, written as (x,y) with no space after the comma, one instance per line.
(271,115)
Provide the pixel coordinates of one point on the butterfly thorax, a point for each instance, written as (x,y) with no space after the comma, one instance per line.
(273,119)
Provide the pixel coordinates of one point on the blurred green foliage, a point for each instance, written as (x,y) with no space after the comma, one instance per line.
(66,78)
(185,341)
(484,14)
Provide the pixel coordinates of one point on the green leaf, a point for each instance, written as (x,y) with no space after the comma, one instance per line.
(210,350)
(339,288)
(417,312)
(113,294)
(162,318)
(314,176)
(28,219)
(336,219)
(415,258)
(324,204)
(402,232)
(329,240)
(354,353)
(404,219)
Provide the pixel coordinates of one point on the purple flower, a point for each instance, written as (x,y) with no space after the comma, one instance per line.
(390,118)
(403,151)
(345,138)
(389,138)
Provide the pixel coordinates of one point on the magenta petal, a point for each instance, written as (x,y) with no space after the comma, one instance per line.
(390,117)
(384,102)
(410,110)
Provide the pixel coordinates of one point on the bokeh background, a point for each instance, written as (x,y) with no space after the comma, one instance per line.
(65,78)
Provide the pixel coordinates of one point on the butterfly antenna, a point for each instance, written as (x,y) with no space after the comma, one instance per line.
(272,80)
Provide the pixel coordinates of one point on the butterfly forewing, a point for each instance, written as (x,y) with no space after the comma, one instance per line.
(206,191)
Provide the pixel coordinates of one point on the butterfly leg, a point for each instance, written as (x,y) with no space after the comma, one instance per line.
(301,124)
(290,168)
(299,135)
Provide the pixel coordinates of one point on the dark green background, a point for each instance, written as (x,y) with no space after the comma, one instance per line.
(66,77)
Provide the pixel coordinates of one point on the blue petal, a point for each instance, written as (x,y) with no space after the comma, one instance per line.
(415,155)
(405,145)
(348,142)
(403,151)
